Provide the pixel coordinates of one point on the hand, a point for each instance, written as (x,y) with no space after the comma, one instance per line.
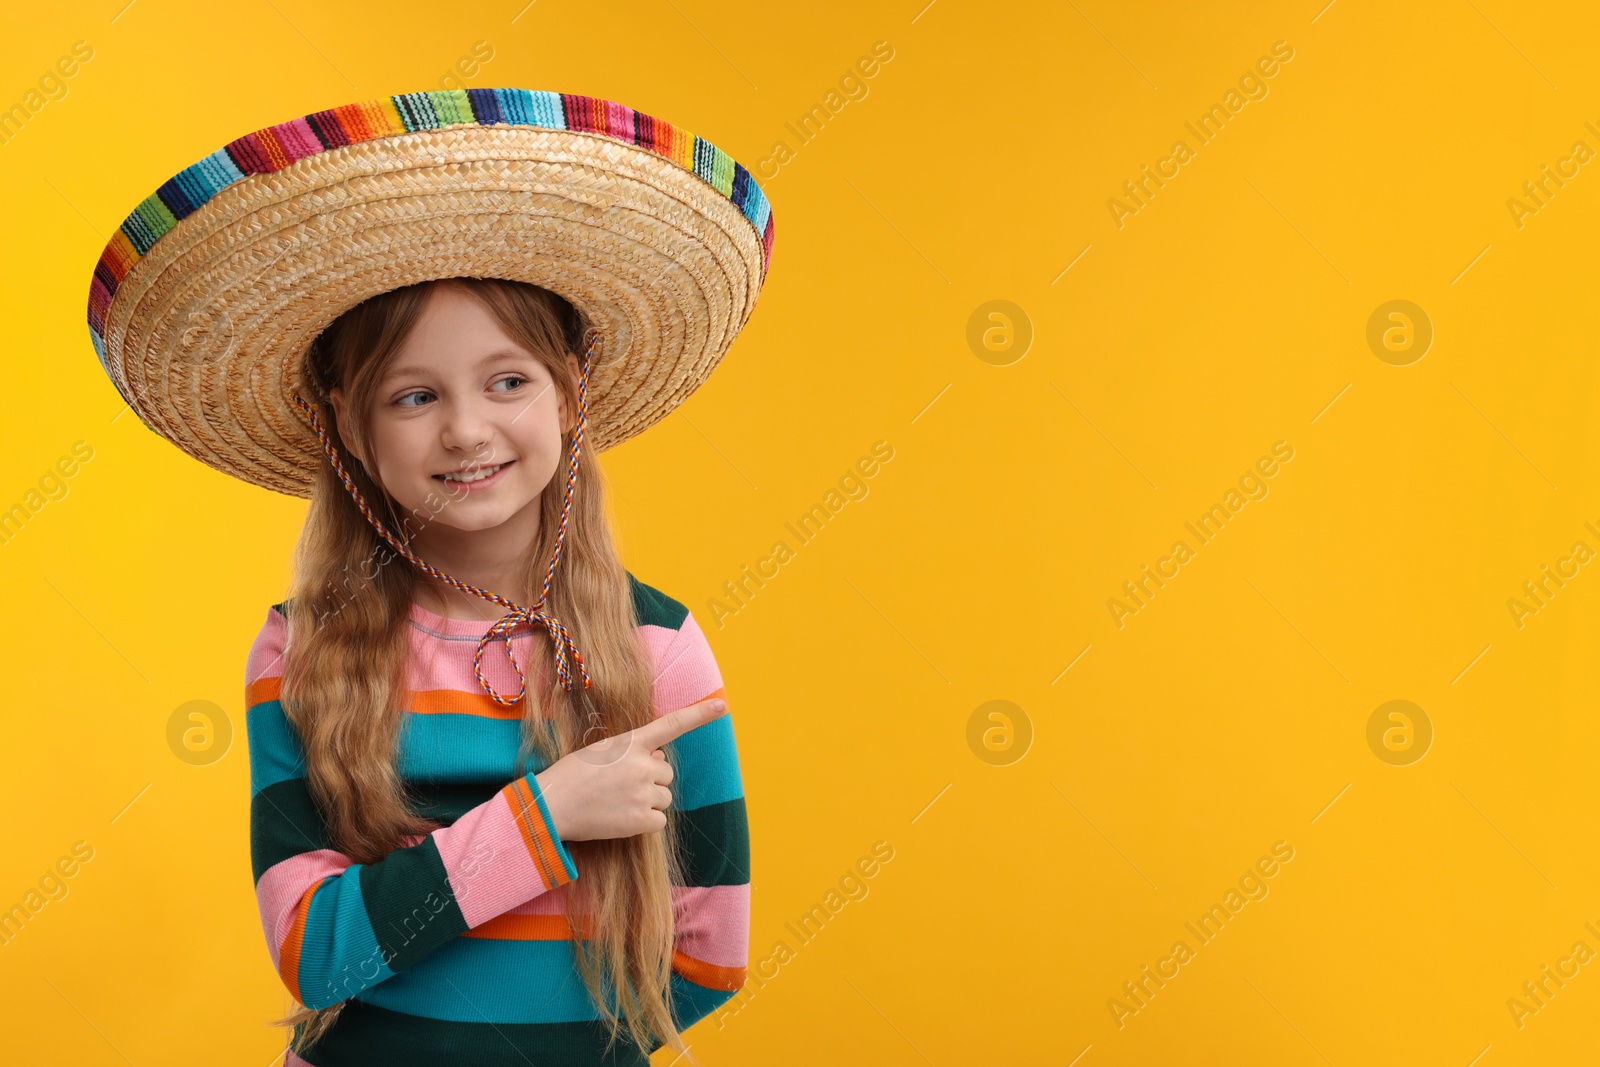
(617,787)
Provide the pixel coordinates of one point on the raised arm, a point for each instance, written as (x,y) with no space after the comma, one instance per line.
(712,909)
(335,927)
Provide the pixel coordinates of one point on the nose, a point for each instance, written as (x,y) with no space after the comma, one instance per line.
(466,427)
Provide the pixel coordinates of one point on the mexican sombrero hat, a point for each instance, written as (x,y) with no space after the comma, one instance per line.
(204,301)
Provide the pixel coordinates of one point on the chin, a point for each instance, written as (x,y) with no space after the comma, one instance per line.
(474,514)
(486,527)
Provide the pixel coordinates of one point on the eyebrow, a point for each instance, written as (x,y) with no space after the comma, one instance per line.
(499,353)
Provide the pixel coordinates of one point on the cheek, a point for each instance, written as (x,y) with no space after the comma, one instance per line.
(543,452)
(398,456)
(536,438)
(543,448)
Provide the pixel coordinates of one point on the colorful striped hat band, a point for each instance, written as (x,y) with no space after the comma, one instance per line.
(515,615)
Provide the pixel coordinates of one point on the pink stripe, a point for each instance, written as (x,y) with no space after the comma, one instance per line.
(552,903)
(713,923)
(488,862)
(99,298)
(447,664)
(686,672)
(619,120)
(297,139)
(657,639)
(291,1060)
(284,883)
(266,655)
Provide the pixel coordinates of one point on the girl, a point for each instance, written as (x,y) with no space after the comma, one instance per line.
(497,813)
(452,402)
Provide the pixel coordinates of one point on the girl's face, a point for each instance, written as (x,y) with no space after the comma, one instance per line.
(465,426)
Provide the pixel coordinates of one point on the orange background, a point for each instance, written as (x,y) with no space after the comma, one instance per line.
(1042,859)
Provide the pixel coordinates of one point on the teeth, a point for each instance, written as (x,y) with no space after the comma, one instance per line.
(473,476)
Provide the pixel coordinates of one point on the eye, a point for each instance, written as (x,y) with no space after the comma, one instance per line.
(415,398)
(510,382)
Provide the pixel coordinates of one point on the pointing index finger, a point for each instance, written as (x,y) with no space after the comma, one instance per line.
(675,724)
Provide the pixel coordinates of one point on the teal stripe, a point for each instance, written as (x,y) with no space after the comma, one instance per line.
(459,747)
(526,107)
(756,206)
(707,763)
(545,109)
(216,172)
(516,106)
(276,754)
(339,956)
(466,981)
(416,111)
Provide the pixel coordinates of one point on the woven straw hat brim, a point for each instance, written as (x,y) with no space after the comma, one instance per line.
(659,242)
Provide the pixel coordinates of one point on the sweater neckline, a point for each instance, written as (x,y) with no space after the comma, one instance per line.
(443,626)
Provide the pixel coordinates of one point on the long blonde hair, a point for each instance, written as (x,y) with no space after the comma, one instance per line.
(343,686)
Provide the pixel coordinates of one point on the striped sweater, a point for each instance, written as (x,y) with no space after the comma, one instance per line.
(454,948)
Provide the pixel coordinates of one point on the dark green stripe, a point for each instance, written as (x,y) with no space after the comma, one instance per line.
(410,903)
(652,607)
(691,1003)
(408,895)
(284,822)
(447,802)
(716,839)
(365,1034)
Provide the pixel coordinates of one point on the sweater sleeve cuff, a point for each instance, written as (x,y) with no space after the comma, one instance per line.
(550,856)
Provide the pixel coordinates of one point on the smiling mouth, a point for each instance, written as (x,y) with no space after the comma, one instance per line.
(476,474)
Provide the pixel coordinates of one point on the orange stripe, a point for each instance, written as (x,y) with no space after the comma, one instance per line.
(277,158)
(456,702)
(720,691)
(289,955)
(122,255)
(534,835)
(541,833)
(424,703)
(514,801)
(513,927)
(684,153)
(709,975)
(351,121)
(262,690)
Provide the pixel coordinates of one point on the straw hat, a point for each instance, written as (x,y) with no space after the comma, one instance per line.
(205,300)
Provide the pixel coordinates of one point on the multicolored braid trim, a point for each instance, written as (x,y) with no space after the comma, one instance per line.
(275,147)
(516,615)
